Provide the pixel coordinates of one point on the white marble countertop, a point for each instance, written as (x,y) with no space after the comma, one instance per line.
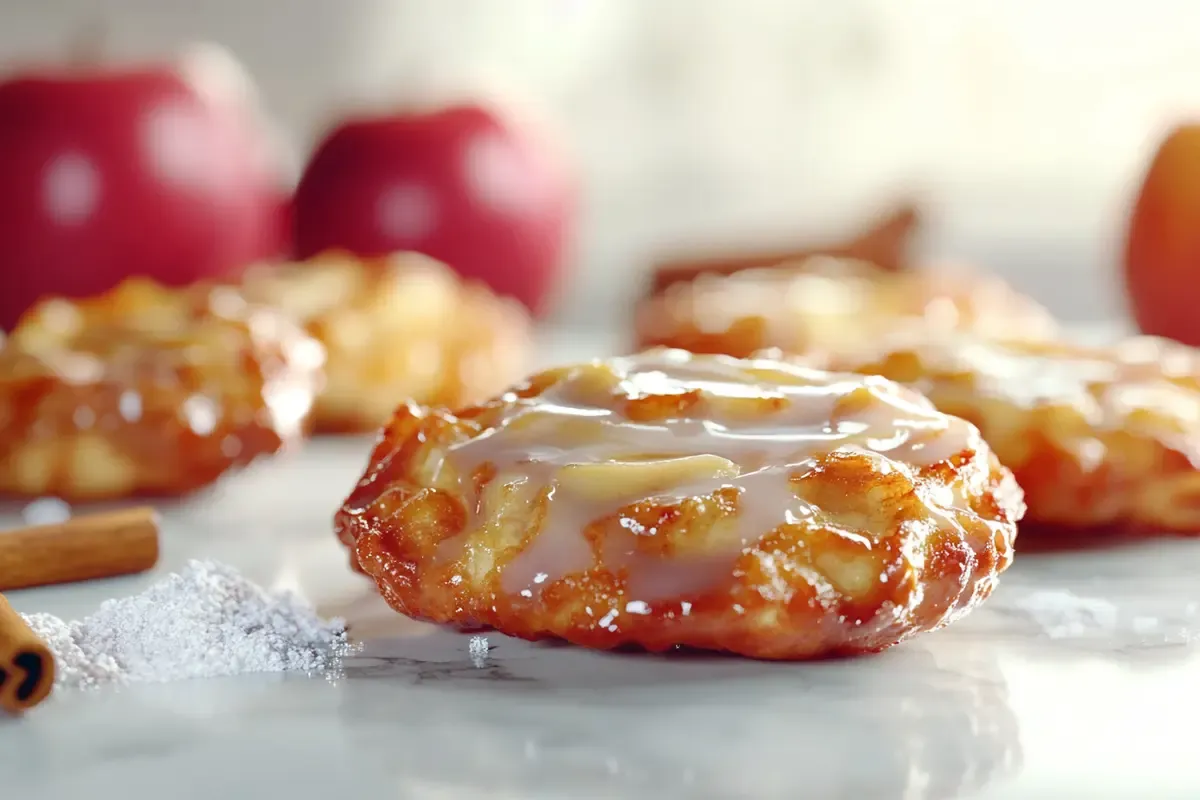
(1077,679)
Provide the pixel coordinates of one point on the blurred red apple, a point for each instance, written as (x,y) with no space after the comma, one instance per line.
(1162,256)
(462,185)
(106,173)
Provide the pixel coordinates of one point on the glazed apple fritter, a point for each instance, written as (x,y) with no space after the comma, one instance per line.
(1096,436)
(396,329)
(886,245)
(148,390)
(826,303)
(666,499)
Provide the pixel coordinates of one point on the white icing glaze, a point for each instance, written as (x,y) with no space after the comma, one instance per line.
(582,419)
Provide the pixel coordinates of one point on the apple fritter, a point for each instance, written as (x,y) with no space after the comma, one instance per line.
(148,390)
(1096,436)
(397,329)
(666,499)
(828,302)
(886,245)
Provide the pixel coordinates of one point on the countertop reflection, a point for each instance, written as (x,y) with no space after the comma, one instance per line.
(1069,682)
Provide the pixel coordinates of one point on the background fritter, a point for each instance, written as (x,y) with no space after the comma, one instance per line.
(148,390)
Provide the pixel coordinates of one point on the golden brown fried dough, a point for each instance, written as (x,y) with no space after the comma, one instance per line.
(828,302)
(666,499)
(886,246)
(397,329)
(1097,436)
(148,390)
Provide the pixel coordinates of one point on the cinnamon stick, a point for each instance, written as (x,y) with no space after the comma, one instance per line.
(83,548)
(885,244)
(26,663)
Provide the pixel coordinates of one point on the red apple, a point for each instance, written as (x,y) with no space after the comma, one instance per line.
(1162,255)
(462,185)
(107,173)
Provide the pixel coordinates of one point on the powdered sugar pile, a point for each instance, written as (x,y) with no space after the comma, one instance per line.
(206,621)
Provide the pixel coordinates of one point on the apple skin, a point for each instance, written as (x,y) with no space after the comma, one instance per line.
(460,184)
(1162,254)
(107,174)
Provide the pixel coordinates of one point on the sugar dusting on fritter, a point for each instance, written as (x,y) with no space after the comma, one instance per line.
(205,621)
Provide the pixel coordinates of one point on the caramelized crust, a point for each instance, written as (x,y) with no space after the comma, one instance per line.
(147,390)
(886,245)
(1096,436)
(828,302)
(663,499)
(404,328)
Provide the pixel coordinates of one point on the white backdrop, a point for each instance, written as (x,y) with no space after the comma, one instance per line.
(1024,123)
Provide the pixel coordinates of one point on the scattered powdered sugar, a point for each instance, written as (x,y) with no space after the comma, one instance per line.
(206,621)
(477,649)
(46,511)
(1135,625)
(1063,614)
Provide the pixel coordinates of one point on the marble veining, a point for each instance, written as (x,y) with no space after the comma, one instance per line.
(1077,679)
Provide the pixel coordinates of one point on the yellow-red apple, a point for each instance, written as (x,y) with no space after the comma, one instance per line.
(1162,253)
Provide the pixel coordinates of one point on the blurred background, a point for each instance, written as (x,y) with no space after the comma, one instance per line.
(1022,126)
